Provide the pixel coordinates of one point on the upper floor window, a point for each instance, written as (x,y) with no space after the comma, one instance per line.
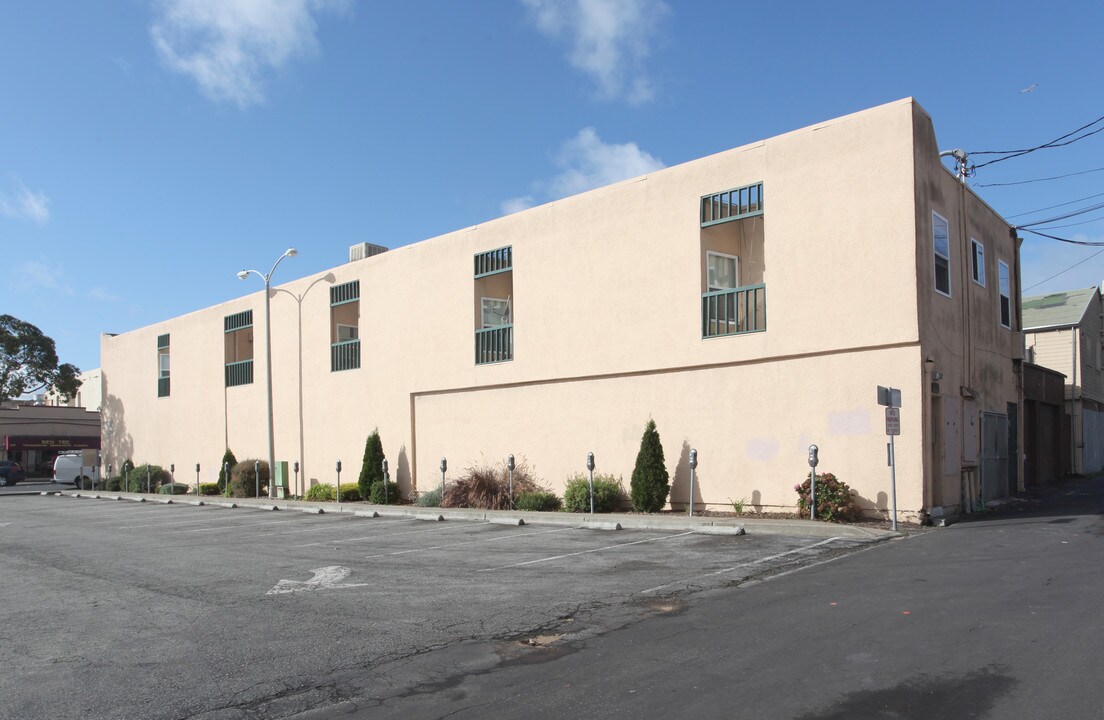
(163,365)
(345,326)
(977,262)
(941,245)
(723,271)
(238,329)
(494,312)
(1005,285)
(732,204)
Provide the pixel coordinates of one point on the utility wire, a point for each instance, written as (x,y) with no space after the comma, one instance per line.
(1083,222)
(1064,216)
(1035,180)
(1057,142)
(1071,267)
(1086,243)
(1051,207)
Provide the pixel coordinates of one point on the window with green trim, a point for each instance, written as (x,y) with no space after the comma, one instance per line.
(163,365)
(238,331)
(345,326)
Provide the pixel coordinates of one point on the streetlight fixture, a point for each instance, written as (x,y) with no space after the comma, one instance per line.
(290,252)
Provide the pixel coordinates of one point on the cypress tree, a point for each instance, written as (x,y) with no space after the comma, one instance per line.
(371,470)
(227,457)
(649,485)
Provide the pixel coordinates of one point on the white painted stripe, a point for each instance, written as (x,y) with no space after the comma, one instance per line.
(437,527)
(507,536)
(741,565)
(143,510)
(592,550)
(318,526)
(192,521)
(231,527)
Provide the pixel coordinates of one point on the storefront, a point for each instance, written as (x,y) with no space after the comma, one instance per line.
(34,435)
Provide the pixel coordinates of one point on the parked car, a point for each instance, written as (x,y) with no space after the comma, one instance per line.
(70,469)
(11,473)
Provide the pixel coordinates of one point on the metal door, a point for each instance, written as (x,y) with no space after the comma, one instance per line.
(994,456)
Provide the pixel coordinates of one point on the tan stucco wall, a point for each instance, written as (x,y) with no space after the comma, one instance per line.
(610,285)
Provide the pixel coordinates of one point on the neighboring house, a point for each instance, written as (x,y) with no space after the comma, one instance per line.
(89,396)
(562,329)
(1065,332)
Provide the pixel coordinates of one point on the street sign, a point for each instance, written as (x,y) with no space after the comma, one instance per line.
(890,397)
(893,421)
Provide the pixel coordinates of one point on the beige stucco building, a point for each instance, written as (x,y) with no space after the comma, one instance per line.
(750,302)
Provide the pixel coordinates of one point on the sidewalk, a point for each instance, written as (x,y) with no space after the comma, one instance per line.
(605,521)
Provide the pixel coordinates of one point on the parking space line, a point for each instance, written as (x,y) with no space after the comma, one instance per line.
(436,527)
(506,536)
(741,565)
(235,527)
(194,520)
(348,518)
(592,550)
(153,511)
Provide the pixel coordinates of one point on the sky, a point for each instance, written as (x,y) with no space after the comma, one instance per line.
(150,149)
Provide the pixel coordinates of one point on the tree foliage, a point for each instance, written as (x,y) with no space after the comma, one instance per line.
(29,362)
(227,459)
(650,483)
(371,470)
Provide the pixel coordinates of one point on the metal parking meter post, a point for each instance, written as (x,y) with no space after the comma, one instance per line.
(197,479)
(814,460)
(126,476)
(444,467)
(225,476)
(693,467)
(172,478)
(109,470)
(590,469)
(510,467)
(384,464)
(257,476)
(297,477)
(338,493)
(147,478)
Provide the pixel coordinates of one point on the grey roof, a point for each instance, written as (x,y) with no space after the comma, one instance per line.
(1060,309)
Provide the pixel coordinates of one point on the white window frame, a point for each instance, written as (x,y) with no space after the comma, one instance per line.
(163,365)
(977,262)
(506,319)
(936,254)
(1004,289)
(735,274)
(355,333)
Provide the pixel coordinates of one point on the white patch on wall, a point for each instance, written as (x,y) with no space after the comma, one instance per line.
(849,422)
(762,449)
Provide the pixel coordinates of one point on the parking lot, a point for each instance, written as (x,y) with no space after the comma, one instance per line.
(176,611)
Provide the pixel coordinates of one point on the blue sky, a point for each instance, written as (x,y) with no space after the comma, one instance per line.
(149,149)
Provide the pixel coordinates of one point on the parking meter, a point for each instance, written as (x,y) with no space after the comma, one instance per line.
(444,465)
(590,461)
(813,459)
(693,459)
(510,462)
(813,462)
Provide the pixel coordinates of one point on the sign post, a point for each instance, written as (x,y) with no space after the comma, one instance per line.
(891,398)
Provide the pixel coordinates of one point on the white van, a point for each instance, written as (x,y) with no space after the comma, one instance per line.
(69,467)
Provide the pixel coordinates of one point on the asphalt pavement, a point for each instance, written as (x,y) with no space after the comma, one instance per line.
(120,609)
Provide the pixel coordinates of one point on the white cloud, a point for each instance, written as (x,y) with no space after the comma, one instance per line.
(102,295)
(42,275)
(517,204)
(609,40)
(227,45)
(586,162)
(26,205)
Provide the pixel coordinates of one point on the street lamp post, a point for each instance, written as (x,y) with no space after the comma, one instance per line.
(290,252)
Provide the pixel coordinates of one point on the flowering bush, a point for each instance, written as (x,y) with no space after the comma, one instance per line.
(834,501)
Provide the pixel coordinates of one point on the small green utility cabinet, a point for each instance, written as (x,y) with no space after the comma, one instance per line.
(280,477)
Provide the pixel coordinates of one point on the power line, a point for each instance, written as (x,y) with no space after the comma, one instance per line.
(1051,207)
(1035,180)
(1083,222)
(1086,243)
(1063,272)
(1065,216)
(1057,142)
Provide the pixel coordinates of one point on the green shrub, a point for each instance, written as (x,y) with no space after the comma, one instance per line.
(430,498)
(608,493)
(488,488)
(209,488)
(539,501)
(113,484)
(376,497)
(320,493)
(128,465)
(227,457)
(158,476)
(350,492)
(650,483)
(834,501)
(371,468)
(85,483)
(243,479)
(174,488)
